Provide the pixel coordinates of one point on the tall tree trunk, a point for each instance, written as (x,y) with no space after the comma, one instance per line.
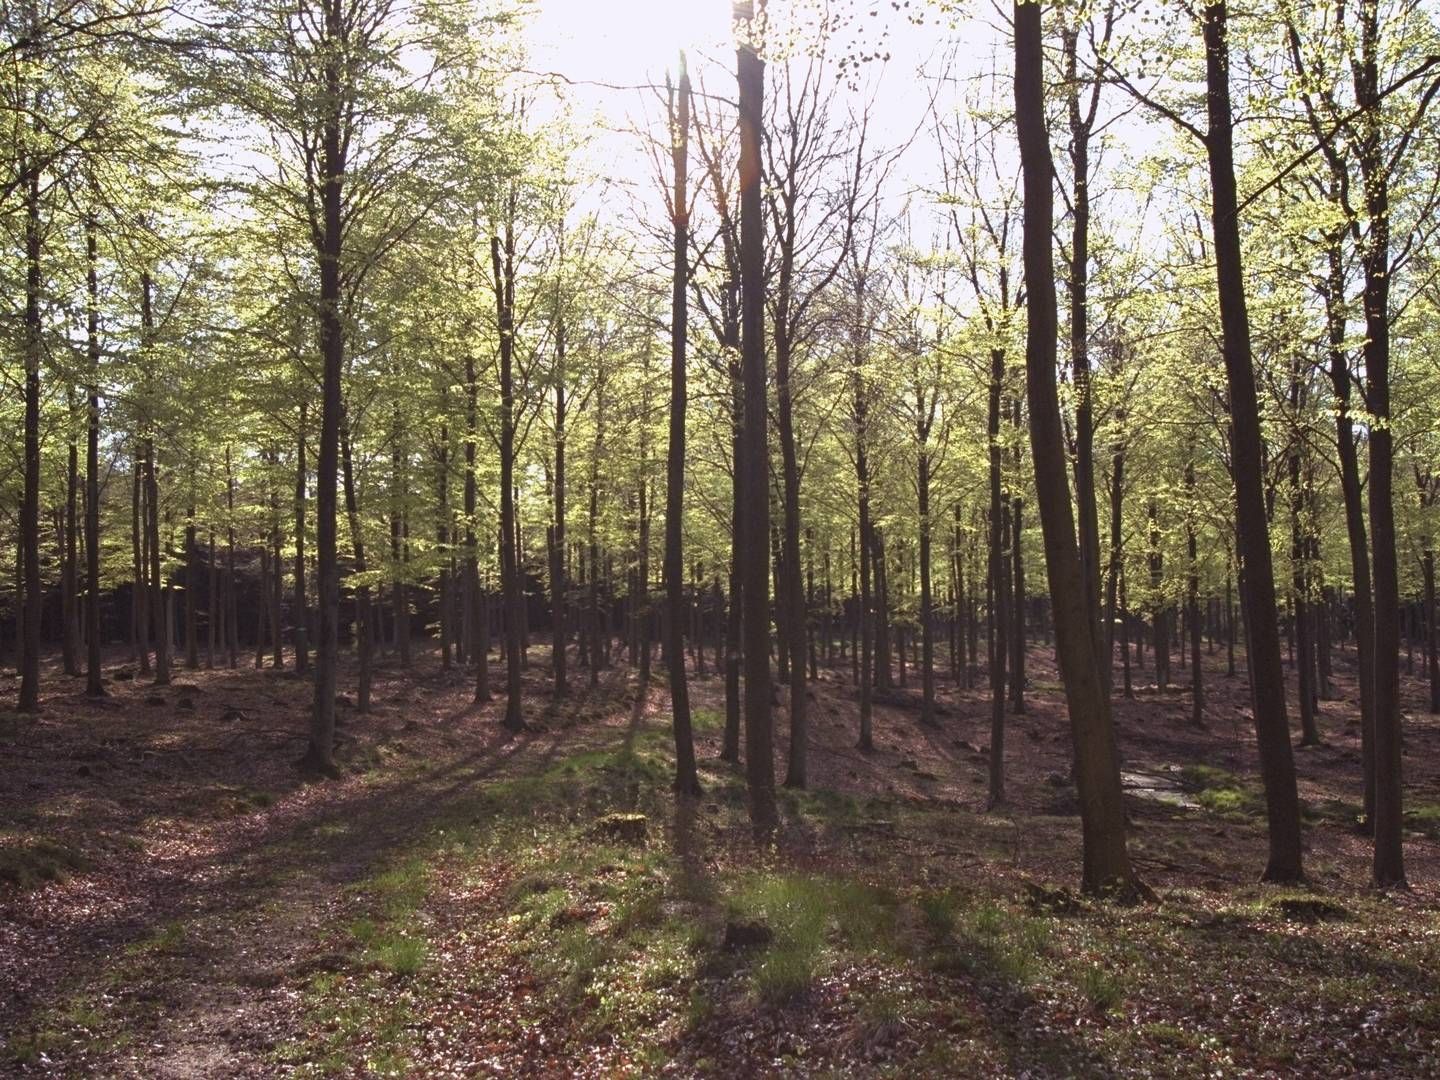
(1081,123)
(504,277)
(1389,863)
(1161,617)
(1106,860)
(442,538)
(212,606)
(1017,582)
(1262,639)
(999,594)
(302,637)
(687,779)
(1432,634)
(1192,600)
(477,637)
(31,606)
(364,636)
(1300,583)
(319,755)
(69,556)
(158,608)
(734,629)
(755,522)
(192,590)
(140,592)
(232,600)
(559,587)
(94,686)
(927,631)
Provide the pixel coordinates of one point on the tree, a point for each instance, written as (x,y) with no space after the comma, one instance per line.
(1097,772)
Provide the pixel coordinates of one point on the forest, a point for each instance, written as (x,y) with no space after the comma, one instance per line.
(775,538)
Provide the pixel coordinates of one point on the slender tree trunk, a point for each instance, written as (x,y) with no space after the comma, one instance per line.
(302,646)
(212,605)
(31,603)
(94,685)
(999,593)
(1160,619)
(70,557)
(158,609)
(232,599)
(1300,584)
(559,586)
(1262,641)
(1389,863)
(734,644)
(1106,860)
(1081,124)
(364,636)
(1197,681)
(687,779)
(192,590)
(1432,634)
(1017,581)
(927,631)
(319,755)
(504,277)
(755,522)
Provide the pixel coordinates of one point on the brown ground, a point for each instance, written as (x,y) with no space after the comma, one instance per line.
(213,879)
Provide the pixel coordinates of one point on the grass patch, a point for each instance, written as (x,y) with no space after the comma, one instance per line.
(812,918)
(38,862)
(398,953)
(1222,792)
(1424,818)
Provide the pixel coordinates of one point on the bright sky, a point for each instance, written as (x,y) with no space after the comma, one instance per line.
(604,47)
(627,42)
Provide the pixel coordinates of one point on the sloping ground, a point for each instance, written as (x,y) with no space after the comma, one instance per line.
(463,904)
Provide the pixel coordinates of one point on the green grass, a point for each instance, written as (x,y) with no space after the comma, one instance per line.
(1223,793)
(37,862)
(1424,818)
(399,953)
(813,919)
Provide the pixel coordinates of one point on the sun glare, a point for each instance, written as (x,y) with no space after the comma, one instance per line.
(622,43)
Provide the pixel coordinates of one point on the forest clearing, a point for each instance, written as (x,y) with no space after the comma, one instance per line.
(773,538)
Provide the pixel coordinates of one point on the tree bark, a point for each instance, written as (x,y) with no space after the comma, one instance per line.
(687,779)
(319,755)
(1106,860)
(755,522)
(94,685)
(302,646)
(503,269)
(1267,682)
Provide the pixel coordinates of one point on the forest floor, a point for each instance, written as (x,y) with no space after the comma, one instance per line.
(175,902)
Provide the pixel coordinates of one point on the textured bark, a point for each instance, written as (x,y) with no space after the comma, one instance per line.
(319,755)
(94,686)
(1375,169)
(502,264)
(30,604)
(1267,681)
(301,633)
(1097,772)
(364,638)
(687,779)
(999,593)
(755,522)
